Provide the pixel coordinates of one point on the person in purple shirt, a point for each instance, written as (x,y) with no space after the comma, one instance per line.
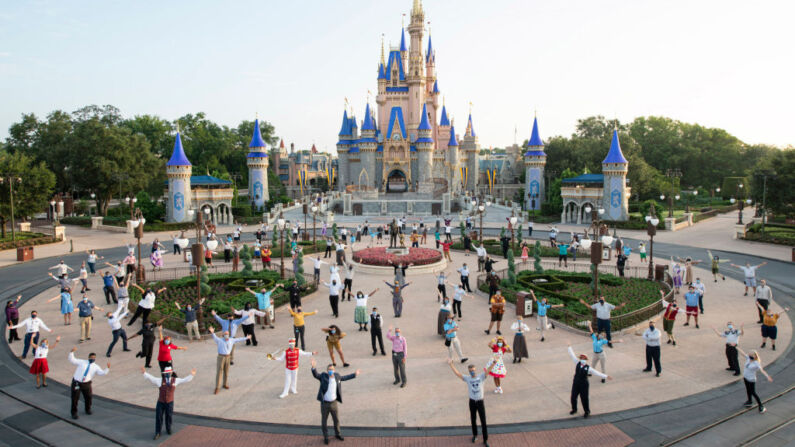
(399,354)
(12,318)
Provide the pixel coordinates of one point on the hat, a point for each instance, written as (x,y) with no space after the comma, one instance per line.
(292,340)
(168,370)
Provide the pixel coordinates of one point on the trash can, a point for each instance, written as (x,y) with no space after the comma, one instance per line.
(25,254)
(524,304)
(659,272)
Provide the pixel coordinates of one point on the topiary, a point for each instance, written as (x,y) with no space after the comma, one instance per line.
(245,256)
(204,282)
(275,238)
(537,258)
(463,229)
(511,267)
(334,231)
(299,273)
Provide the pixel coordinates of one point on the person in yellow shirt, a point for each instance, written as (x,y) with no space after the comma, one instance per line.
(415,239)
(298,323)
(769,329)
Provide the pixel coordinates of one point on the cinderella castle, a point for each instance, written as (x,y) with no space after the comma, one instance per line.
(405,143)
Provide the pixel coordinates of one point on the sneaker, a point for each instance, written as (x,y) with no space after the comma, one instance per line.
(603,381)
(697,325)
(345,365)
(748,403)
(487,332)
(762,409)
(282,396)
(573,412)
(542,338)
(686,324)
(496,391)
(464,360)
(774,347)
(729,369)
(674,343)
(668,342)
(499,333)
(375,352)
(396,382)
(553,325)
(763,345)
(647,370)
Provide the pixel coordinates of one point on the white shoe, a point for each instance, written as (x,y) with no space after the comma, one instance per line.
(500,388)
(294,392)
(282,396)
(496,391)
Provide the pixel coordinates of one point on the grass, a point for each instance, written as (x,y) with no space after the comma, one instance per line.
(774,234)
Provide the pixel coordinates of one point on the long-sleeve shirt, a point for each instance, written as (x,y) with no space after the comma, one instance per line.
(333,289)
(157,382)
(519,327)
(62,269)
(590,369)
(652,337)
(226,326)
(85,371)
(225,344)
(298,317)
(32,325)
(398,343)
(115,320)
(251,313)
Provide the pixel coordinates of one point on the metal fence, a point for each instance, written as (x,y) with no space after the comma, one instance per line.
(169,274)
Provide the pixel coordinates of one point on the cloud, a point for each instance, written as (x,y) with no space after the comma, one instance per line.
(5,54)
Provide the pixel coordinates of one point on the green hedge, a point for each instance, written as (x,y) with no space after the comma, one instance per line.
(85,221)
(781,234)
(493,247)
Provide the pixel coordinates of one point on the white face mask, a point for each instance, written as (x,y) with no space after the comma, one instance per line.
(582,362)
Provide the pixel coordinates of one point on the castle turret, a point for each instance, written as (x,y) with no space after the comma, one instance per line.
(178,172)
(615,198)
(453,159)
(367,146)
(416,74)
(470,147)
(443,131)
(343,145)
(535,159)
(424,144)
(257,161)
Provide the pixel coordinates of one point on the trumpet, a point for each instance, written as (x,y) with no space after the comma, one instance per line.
(272,356)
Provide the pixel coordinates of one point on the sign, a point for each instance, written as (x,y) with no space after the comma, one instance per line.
(528,308)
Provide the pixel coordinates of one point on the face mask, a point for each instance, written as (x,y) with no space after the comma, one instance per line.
(651,327)
(34,316)
(331,372)
(360,296)
(375,313)
(332,331)
(168,342)
(446,301)
(291,345)
(187,308)
(472,373)
(226,336)
(582,362)
(91,361)
(334,283)
(499,344)
(44,345)
(601,301)
(85,298)
(730,327)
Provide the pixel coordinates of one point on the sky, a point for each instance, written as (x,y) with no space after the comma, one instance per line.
(719,63)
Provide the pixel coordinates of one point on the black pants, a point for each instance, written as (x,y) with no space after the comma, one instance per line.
(476,408)
(334,301)
(442,290)
(457,308)
(750,391)
(701,303)
(163,410)
(164,363)
(347,284)
(147,346)
(731,357)
(376,334)
(299,336)
(448,237)
(580,388)
(248,329)
(118,333)
(530,232)
(12,333)
(653,354)
(328,251)
(604,326)
(110,293)
(227,255)
(177,250)
(620,270)
(465,284)
(764,304)
(142,312)
(83,388)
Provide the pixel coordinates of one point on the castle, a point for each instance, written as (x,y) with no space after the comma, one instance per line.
(401,146)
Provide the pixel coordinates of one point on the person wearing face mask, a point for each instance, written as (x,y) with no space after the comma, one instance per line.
(81,380)
(541,315)
(191,322)
(334,289)
(167,384)
(32,326)
(62,268)
(519,342)
(700,289)
(497,302)
(114,320)
(333,342)
(298,323)
(290,357)
(295,294)
(347,285)
(397,296)
(753,364)
(603,310)
(375,330)
(691,305)
(732,336)
(123,292)
(769,329)
(399,354)
(230,324)
(652,338)
(67,305)
(146,304)
(599,341)
(39,368)
(496,366)
(147,333)
(360,313)
(451,339)
(579,386)
(248,324)
(12,318)
(669,317)
(164,350)
(330,396)
(444,311)
(225,345)
(477,408)
(464,272)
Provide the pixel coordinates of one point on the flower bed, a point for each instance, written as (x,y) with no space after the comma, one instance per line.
(378,256)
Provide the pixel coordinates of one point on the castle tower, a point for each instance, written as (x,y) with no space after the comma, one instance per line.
(615,198)
(257,161)
(471,148)
(424,145)
(367,146)
(178,172)
(453,160)
(343,145)
(443,131)
(535,159)
(416,74)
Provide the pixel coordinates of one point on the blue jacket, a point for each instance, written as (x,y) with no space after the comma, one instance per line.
(323,378)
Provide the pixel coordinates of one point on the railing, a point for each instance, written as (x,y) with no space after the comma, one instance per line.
(169,274)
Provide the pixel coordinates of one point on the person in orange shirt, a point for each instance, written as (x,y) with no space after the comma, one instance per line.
(497,302)
(769,329)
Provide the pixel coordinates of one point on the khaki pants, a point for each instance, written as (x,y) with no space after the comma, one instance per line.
(447,256)
(221,366)
(85,328)
(454,343)
(599,357)
(543,323)
(193,328)
(325,409)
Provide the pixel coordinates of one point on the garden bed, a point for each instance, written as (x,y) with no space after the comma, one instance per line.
(378,256)
(25,239)
(493,247)
(774,234)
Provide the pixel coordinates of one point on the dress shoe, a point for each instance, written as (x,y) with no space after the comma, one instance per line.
(573,412)
(157,436)
(339,437)
(325,441)
(395,382)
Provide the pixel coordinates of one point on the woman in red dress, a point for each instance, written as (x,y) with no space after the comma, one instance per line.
(496,367)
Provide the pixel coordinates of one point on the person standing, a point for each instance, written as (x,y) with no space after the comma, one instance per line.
(317,263)
(61,268)
(81,380)
(541,315)
(400,271)
(348,284)
(230,324)
(397,296)
(496,365)
(497,302)
(451,339)
(248,323)
(114,320)
(225,345)
(91,261)
(446,250)
(399,355)
(519,342)
(652,338)
(700,289)
(464,272)
(147,333)
(123,292)
(669,317)
(265,304)
(330,396)
(146,304)
(334,290)
(753,365)
(458,298)
(732,336)
(621,263)
(563,255)
(488,264)
(360,313)
(333,338)
(603,309)
(167,384)
(67,305)
(750,275)
(689,263)
(340,251)
(12,318)
(763,295)
(191,322)
(769,329)
(376,322)
(298,323)
(441,279)
(599,340)
(265,256)
(164,350)
(32,326)
(444,311)
(295,294)
(85,310)
(716,262)
(579,386)
(290,357)
(480,250)
(477,408)
(40,368)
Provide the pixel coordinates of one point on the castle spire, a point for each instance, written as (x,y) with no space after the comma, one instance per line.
(383,61)
(368,123)
(178,157)
(470,128)
(615,155)
(256,138)
(453,141)
(444,121)
(402,38)
(424,124)
(535,138)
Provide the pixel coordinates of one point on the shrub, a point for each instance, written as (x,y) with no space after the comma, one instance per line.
(378,256)
(241,211)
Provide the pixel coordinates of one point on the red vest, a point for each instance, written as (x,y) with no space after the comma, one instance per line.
(291,358)
(670,313)
(167,390)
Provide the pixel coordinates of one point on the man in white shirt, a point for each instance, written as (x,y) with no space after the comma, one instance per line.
(85,371)
(316,273)
(603,309)
(750,275)
(165,400)
(652,338)
(763,296)
(334,290)
(481,251)
(248,324)
(464,272)
(732,336)
(700,289)
(32,326)
(114,320)
(62,268)
(330,395)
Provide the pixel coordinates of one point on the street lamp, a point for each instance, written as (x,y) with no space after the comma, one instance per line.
(533,197)
(137,223)
(52,210)
(687,200)
(672,174)
(513,220)
(481,211)
(280,222)
(314,216)
(11,181)
(93,197)
(651,230)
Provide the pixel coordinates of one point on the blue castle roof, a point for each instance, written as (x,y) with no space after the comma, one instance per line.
(424,124)
(444,121)
(345,129)
(402,39)
(470,127)
(396,116)
(453,141)
(353,150)
(178,157)
(256,138)
(257,155)
(535,139)
(381,73)
(429,54)
(394,59)
(615,155)
(436,86)
(368,123)
(535,154)
(586,178)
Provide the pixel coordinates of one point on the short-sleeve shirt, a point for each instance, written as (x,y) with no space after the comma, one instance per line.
(691,299)
(475,385)
(542,309)
(603,310)
(750,272)
(263,300)
(164,353)
(563,249)
(497,304)
(771,320)
(447,327)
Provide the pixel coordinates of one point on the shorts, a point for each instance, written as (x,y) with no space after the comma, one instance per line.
(643,256)
(769,332)
(750,282)
(496,316)
(668,326)
(562,257)
(691,310)
(335,344)
(714,270)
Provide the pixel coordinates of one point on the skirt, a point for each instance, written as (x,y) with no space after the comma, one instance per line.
(520,347)
(440,321)
(360,315)
(67,307)
(39,366)
(497,368)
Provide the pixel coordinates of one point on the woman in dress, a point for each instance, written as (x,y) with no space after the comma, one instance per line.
(67,305)
(689,263)
(496,366)
(257,249)
(519,342)
(676,275)
(156,258)
(360,315)
(39,368)
(524,252)
(753,365)
(444,312)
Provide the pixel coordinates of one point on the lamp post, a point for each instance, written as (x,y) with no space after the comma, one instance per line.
(314,216)
(597,244)
(513,220)
(11,180)
(533,197)
(672,174)
(138,222)
(687,200)
(280,222)
(93,197)
(52,211)
(712,195)
(651,230)
(306,211)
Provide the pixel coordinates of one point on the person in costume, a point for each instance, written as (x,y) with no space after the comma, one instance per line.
(519,342)
(496,366)
(290,357)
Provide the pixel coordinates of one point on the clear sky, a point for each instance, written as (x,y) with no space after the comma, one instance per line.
(719,63)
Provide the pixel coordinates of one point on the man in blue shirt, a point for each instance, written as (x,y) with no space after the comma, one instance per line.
(563,254)
(691,302)
(230,324)
(543,307)
(599,341)
(265,303)
(451,340)
(109,287)
(84,310)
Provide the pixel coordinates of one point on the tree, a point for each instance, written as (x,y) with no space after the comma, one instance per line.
(30,195)
(151,210)
(537,258)
(245,256)
(511,267)
(299,274)
(779,195)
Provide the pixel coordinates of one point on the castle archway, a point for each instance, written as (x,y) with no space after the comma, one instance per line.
(397,181)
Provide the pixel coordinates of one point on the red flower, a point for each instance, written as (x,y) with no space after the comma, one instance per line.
(379,257)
